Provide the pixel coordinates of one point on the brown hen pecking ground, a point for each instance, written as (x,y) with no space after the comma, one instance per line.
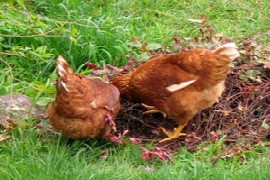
(243,113)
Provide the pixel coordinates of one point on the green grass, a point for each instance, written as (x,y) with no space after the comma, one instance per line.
(29,155)
(99,31)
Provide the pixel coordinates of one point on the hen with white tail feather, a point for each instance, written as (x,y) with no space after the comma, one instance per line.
(83,108)
(179,85)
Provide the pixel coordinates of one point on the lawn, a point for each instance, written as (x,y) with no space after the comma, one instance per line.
(29,156)
(34,33)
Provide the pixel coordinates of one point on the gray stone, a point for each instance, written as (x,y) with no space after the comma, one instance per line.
(18,107)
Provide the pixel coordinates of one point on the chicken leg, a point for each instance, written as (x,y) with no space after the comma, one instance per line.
(153,109)
(175,134)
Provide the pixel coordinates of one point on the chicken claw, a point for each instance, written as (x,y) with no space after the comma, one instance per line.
(152,109)
(173,135)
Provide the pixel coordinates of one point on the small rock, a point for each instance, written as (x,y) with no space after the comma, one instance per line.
(16,107)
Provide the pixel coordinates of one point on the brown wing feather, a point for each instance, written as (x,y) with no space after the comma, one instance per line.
(152,84)
(105,94)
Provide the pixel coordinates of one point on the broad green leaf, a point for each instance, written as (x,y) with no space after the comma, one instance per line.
(143,57)
(44,101)
(265,125)
(153,46)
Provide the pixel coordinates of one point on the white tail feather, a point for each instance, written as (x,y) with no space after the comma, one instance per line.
(64,86)
(61,71)
(232,45)
(61,58)
(229,49)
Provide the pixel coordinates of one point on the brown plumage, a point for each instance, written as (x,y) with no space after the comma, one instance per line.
(179,85)
(83,107)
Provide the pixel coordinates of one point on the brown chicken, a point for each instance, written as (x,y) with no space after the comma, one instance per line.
(83,108)
(179,85)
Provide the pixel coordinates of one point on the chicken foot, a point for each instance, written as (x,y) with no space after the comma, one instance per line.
(173,135)
(153,109)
